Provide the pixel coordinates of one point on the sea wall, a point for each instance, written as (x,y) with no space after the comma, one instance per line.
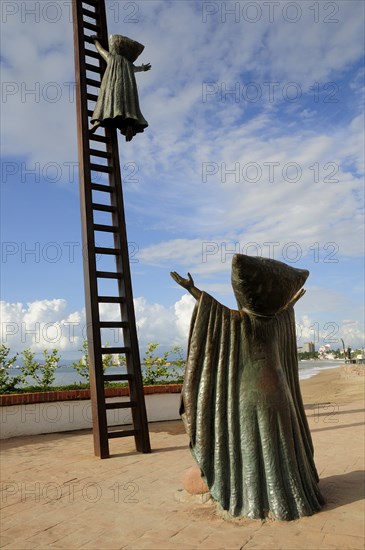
(48,412)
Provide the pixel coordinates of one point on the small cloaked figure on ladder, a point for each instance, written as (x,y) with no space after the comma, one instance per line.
(118,105)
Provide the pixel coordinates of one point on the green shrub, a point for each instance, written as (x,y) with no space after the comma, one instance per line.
(161,370)
(157,369)
(44,375)
(165,369)
(82,365)
(8,382)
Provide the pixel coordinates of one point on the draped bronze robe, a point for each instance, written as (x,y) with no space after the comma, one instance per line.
(118,103)
(243,411)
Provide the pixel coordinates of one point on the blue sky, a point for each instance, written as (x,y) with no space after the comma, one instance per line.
(255,145)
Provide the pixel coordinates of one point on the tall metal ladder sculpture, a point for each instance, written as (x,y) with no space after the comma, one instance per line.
(99,159)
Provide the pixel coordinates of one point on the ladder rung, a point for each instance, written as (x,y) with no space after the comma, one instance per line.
(90,112)
(97,153)
(106,228)
(108,275)
(113,324)
(91,53)
(89,13)
(96,137)
(93,3)
(93,68)
(117,377)
(105,188)
(88,39)
(90,26)
(103,207)
(92,82)
(92,97)
(101,168)
(106,351)
(105,250)
(121,405)
(111,299)
(123,433)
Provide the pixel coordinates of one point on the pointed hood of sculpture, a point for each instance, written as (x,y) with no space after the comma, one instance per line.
(122,45)
(263,286)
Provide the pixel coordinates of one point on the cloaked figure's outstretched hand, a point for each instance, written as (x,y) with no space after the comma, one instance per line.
(142,68)
(188,284)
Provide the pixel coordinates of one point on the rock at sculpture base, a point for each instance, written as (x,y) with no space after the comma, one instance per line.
(193,482)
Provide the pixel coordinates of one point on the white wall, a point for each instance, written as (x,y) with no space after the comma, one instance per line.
(63,416)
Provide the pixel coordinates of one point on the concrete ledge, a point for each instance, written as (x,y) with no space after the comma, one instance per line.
(70,395)
(49,412)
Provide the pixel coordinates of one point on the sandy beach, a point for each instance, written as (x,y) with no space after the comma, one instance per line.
(134,501)
(340,385)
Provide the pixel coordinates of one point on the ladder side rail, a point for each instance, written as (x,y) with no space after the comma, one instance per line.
(99,419)
(139,415)
(128,324)
(127,307)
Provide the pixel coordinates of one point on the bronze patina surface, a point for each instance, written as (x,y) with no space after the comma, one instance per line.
(118,105)
(241,401)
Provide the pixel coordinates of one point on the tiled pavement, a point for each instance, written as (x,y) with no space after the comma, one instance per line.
(56,494)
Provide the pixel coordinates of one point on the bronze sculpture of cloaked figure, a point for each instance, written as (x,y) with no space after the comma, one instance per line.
(241,403)
(118,105)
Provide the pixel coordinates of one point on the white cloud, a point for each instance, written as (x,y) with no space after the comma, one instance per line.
(41,324)
(330,332)
(171,93)
(185,132)
(183,311)
(46,324)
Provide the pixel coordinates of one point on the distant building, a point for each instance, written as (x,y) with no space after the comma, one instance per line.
(309,347)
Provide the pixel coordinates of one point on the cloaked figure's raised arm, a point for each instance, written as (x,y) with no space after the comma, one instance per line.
(188,284)
(104,54)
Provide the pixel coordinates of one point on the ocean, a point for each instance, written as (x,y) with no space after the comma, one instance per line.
(66,374)
(307,369)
